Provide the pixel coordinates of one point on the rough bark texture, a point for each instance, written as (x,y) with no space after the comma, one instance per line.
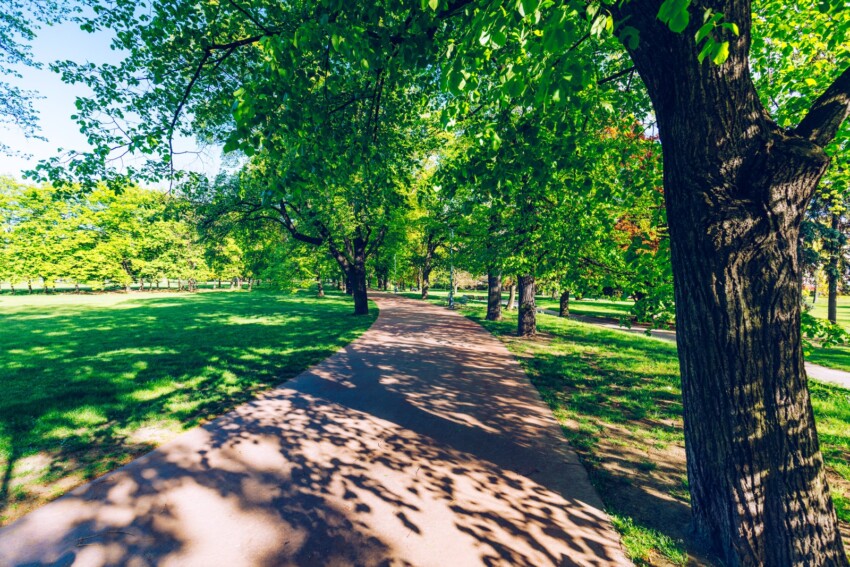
(494,295)
(527,317)
(832,275)
(736,189)
(564,310)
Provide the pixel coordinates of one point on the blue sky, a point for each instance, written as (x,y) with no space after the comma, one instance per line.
(63,42)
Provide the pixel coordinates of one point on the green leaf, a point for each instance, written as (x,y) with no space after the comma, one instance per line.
(721,53)
(630,37)
(706,49)
(703,32)
(680,21)
(498,38)
(434,4)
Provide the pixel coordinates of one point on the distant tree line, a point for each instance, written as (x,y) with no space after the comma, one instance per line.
(133,237)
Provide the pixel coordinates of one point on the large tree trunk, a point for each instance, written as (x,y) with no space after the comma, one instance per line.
(494,295)
(349,283)
(527,319)
(832,274)
(564,310)
(736,189)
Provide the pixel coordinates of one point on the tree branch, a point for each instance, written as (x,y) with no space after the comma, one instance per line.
(616,76)
(293,231)
(828,112)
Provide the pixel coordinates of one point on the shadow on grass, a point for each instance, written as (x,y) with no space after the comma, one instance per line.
(86,386)
(618,397)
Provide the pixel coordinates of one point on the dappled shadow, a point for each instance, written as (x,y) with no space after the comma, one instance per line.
(89,387)
(422,443)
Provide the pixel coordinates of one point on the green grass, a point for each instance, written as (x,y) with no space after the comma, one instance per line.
(819,309)
(89,382)
(587,307)
(837,357)
(618,397)
(591,307)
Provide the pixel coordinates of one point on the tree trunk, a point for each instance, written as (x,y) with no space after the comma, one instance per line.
(250,284)
(426,280)
(29,285)
(319,287)
(832,274)
(736,189)
(358,280)
(349,283)
(527,319)
(511,297)
(494,295)
(564,310)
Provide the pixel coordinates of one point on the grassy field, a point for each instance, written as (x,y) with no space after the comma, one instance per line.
(618,399)
(90,382)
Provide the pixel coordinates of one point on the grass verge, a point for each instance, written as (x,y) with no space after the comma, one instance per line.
(91,382)
(618,398)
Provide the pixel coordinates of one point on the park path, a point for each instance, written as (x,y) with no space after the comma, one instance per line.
(820,373)
(421,443)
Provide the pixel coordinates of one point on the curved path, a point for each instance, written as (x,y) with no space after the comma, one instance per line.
(421,443)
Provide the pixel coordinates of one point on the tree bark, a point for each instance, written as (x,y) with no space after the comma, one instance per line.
(511,297)
(736,189)
(358,281)
(564,310)
(527,319)
(426,280)
(494,295)
(832,274)
(319,287)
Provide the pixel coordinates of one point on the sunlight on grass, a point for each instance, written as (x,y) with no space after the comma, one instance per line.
(618,398)
(642,544)
(91,382)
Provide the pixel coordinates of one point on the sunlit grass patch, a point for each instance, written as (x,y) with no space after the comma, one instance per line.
(90,382)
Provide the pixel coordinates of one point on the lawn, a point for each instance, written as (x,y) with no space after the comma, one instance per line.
(588,307)
(837,356)
(90,382)
(819,309)
(617,396)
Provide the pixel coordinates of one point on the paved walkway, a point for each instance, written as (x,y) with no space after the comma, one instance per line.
(421,443)
(820,373)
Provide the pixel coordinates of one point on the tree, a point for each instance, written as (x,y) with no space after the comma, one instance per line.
(736,187)
(19,22)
